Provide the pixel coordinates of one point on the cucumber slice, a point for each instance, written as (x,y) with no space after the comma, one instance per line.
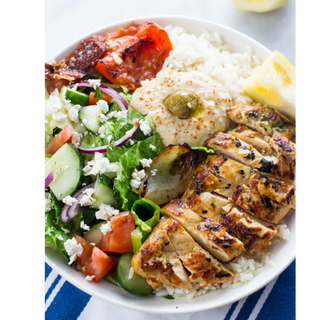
(94,235)
(90,117)
(112,277)
(103,191)
(66,165)
(136,284)
(77,97)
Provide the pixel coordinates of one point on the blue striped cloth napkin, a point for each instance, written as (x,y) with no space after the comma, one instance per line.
(276,301)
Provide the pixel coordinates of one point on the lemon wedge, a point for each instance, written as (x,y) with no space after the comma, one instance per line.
(273,84)
(259,5)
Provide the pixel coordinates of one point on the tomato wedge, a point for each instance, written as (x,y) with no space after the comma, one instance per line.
(119,238)
(93,100)
(59,140)
(93,261)
(134,54)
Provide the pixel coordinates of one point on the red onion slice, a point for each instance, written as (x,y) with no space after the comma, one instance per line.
(102,149)
(128,135)
(69,212)
(123,104)
(48,179)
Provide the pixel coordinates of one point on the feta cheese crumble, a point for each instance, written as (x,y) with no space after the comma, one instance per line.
(117,114)
(135,182)
(103,105)
(97,165)
(69,200)
(102,131)
(105,212)
(66,231)
(84,226)
(102,118)
(73,249)
(76,138)
(106,227)
(89,278)
(145,162)
(87,199)
(73,113)
(94,83)
(152,147)
(47,201)
(144,127)
(59,237)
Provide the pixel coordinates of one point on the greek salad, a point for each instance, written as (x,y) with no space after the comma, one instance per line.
(96,151)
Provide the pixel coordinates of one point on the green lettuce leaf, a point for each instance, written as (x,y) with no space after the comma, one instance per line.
(114,153)
(55,236)
(128,162)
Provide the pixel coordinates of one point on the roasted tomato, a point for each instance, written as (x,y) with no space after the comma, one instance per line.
(134,54)
(93,261)
(119,238)
(79,62)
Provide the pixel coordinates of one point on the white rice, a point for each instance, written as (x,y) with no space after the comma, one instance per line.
(208,54)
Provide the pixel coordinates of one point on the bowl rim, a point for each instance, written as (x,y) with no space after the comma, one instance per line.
(91,291)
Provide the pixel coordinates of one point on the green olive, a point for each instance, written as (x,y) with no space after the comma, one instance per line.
(182,103)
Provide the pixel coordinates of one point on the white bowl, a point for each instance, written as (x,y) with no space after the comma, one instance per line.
(282,253)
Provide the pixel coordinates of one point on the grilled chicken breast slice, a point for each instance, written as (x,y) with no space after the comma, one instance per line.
(205,181)
(263,119)
(278,167)
(211,239)
(224,167)
(256,139)
(232,147)
(158,262)
(202,266)
(254,235)
(283,146)
(274,189)
(205,204)
(259,206)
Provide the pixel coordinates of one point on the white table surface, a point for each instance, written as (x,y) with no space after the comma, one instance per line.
(68,20)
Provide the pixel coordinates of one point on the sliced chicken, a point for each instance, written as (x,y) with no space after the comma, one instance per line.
(232,147)
(259,206)
(278,167)
(213,239)
(224,167)
(256,139)
(254,235)
(283,146)
(205,181)
(265,120)
(202,266)
(205,204)
(158,262)
(274,189)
